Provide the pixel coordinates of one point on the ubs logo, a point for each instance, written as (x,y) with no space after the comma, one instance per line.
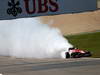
(32,7)
(14,8)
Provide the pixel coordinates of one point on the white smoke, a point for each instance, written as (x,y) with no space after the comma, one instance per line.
(29,38)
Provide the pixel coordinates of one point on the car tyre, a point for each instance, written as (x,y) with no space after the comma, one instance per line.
(67,55)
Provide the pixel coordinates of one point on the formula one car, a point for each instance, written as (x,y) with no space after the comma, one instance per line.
(77,53)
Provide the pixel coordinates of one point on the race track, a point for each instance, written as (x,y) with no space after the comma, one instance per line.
(80,66)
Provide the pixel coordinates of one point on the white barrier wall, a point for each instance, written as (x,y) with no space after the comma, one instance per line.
(98,4)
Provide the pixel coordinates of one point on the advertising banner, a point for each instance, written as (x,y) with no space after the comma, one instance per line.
(11,9)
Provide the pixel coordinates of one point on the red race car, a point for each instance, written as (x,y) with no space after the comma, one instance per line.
(77,53)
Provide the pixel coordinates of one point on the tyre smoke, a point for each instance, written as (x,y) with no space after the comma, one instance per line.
(30,38)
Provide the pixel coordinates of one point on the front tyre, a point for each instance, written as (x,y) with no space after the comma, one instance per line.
(87,54)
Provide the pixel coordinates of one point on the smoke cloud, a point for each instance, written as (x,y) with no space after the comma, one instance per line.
(30,38)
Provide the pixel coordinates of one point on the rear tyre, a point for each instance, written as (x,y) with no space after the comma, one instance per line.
(67,55)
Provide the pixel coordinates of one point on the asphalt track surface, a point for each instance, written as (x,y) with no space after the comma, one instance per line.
(80,66)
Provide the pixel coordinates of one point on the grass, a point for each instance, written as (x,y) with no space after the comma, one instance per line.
(89,41)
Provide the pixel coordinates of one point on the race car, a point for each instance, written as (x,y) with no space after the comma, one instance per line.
(77,53)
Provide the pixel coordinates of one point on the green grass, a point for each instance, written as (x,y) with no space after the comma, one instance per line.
(89,41)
